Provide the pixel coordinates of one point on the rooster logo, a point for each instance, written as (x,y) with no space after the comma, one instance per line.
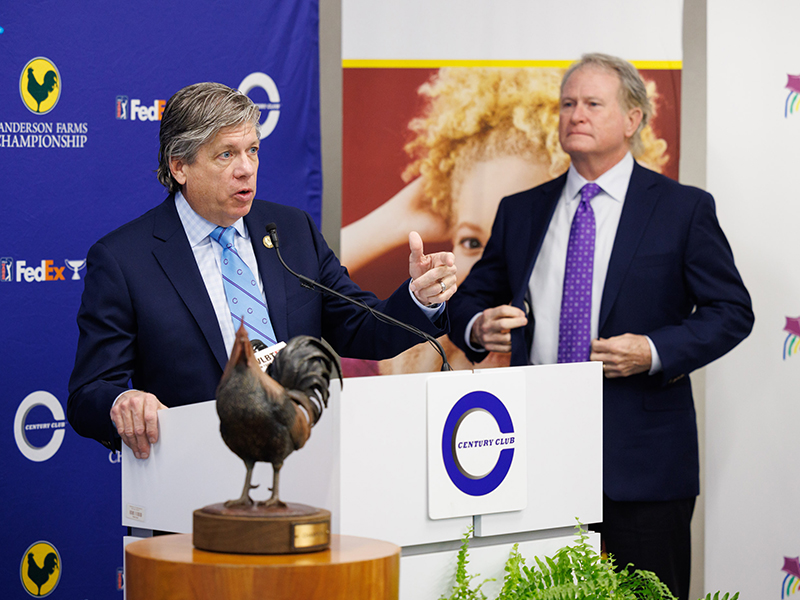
(40,85)
(40,569)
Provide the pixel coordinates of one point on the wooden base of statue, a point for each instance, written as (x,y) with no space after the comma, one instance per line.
(353,568)
(287,529)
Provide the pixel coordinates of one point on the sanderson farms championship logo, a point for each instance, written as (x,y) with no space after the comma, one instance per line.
(40,89)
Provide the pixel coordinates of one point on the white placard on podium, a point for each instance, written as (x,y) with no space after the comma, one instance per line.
(477,459)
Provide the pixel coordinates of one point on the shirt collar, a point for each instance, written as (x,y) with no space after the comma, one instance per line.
(613,182)
(197,228)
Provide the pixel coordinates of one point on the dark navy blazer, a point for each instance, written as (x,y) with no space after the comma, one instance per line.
(146,316)
(671,276)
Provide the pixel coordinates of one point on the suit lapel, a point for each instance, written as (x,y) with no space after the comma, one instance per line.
(177,259)
(640,201)
(272,273)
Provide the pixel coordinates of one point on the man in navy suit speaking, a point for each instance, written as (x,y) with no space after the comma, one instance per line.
(160,307)
(612,262)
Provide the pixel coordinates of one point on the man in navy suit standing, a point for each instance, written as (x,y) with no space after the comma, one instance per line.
(164,293)
(612,262)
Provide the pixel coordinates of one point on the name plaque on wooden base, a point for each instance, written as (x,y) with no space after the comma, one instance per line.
(288,529)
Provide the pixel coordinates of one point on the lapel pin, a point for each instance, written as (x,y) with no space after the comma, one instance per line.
(267,241)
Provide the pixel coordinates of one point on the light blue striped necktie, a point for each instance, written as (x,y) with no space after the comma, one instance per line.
(241,289)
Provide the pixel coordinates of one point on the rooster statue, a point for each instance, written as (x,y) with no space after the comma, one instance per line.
(265,417)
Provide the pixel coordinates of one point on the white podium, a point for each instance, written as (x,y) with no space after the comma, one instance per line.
(367,462)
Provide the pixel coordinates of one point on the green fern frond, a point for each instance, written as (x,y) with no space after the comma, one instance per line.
(461,589)
(644,585)
(514,582)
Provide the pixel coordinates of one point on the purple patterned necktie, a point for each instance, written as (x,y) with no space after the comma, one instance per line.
(574,329)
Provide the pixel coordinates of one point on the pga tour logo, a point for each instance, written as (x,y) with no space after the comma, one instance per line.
(477,449)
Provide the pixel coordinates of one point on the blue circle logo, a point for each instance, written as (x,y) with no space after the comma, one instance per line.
(464,481)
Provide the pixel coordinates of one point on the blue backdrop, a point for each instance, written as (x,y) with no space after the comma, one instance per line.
(78,151)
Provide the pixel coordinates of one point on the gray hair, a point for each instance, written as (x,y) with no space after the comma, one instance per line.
(632,90)
(193,117)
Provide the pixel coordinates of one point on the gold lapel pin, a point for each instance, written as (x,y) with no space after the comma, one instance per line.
(267,241)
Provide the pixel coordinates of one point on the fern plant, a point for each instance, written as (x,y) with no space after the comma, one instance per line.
(574,572)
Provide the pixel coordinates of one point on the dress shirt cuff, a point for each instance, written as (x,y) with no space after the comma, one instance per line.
(655,360)
(468,333)
(432,312)
(113,404)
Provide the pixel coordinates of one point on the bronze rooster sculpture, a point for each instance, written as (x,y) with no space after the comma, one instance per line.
(265,417)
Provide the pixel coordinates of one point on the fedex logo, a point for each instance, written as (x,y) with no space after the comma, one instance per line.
(134,110)
(46,271)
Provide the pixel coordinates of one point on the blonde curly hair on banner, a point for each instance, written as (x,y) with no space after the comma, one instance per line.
(477,114)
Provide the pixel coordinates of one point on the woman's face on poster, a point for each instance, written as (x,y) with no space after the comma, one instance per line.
(477,199)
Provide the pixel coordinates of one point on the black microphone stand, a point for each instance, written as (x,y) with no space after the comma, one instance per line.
(310,284)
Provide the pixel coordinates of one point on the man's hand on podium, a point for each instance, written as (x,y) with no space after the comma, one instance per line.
(134,414)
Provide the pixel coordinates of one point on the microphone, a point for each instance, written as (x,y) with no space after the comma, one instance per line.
(307,282)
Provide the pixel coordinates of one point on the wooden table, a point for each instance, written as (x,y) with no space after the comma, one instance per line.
(353,568)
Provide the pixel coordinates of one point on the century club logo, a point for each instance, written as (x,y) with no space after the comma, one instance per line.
(40,569)
(272,108)
(40,85)
(471,478)
(39,426)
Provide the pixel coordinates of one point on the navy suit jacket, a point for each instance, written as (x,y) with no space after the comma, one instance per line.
(671,276)
(146,317)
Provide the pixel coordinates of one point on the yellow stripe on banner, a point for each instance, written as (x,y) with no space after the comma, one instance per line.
(355,63)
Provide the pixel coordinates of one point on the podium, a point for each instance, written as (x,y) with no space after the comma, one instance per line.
(367,461)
